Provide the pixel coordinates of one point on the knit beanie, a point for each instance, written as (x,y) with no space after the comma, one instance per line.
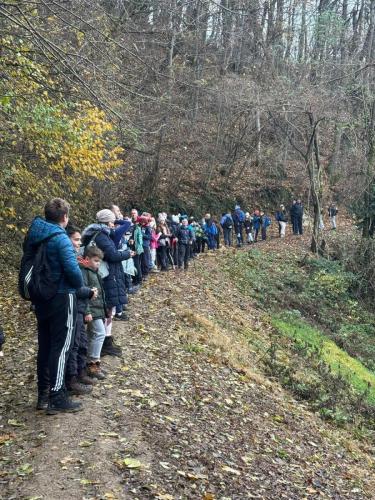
(105,216)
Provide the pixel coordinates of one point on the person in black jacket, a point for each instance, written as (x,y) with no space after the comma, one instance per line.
(114,281)
(282,219)
(77,381)
(293,218)
(2,340)
(185,239)
(298,211)
(332,212)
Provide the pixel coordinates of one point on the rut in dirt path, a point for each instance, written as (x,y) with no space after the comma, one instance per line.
(185,414)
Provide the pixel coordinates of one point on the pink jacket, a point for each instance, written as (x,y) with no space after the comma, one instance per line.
(154,239)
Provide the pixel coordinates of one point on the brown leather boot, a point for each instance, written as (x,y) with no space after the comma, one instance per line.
(77,388)
(94,371)
(85,379)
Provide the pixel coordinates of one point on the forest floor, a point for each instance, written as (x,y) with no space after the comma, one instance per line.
(186,414)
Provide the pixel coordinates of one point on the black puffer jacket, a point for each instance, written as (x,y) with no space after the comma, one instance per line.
(114,283)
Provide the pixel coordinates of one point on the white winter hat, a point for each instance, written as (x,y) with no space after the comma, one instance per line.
(105,216)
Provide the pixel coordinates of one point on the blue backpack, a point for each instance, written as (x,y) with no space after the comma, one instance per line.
(267,221)
(241,215)
(212,229)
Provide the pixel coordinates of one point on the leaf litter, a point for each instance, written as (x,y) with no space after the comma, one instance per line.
(187,413)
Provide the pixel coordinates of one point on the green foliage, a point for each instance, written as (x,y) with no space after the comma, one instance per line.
(331,365)
(338,361)
(316,370)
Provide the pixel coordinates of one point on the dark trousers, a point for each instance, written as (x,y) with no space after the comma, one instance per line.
(200,243)
(165,257)
(174,252)
(295,225)
(239,233)
(264,233)
(183,255)
(256,234)
(299,225)
(211,241)
(78,353)
(56,323)
(161,254)
(227,236)
(137,264)
(145,261)
(217,237)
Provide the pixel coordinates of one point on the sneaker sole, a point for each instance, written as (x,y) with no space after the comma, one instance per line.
(65,410)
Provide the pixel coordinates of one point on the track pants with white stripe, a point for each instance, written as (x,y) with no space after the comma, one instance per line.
(56,323)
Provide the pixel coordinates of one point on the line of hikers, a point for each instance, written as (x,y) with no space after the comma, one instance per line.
(79,282)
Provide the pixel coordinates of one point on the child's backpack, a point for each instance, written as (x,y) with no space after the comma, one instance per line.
(241,215)
(35,281)
(267,221)
(213,230)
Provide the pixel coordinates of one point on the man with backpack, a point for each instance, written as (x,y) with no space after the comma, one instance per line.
(49,277)
(226,223)
(238,220)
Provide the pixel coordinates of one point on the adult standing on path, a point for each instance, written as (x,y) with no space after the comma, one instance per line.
(298,210)
(238,220)
(293,216)
(114,283)
(57,316)
(282,219)
(226,223)
(332,213)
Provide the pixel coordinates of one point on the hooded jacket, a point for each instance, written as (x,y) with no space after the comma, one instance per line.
(95,307)
(114,283)
(60,254)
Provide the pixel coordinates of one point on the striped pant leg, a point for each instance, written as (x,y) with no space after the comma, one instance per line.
(62,322)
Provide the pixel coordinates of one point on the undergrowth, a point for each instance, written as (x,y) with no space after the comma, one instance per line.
(322,338)
(321,290)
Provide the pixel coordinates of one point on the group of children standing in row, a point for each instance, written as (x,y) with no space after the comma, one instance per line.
(97,269)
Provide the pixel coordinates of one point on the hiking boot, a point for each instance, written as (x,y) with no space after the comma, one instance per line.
(120,317)
(76,387)
(42,402)
(109,348)
(61,403)
(94,370)
(85,379)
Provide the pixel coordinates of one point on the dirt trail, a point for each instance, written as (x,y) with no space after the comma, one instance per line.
(184,415)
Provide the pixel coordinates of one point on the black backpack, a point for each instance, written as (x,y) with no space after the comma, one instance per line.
(35,281)
(228,223)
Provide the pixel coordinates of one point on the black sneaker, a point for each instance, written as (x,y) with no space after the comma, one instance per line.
(121,317)
(61,403)
(110,348)
(42,402)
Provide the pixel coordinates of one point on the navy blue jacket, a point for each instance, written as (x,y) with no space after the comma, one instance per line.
(2,337)
(146,236)
(281,216)
(60,254)
(184,235)
(114,283)
(238,219)
(298,210)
